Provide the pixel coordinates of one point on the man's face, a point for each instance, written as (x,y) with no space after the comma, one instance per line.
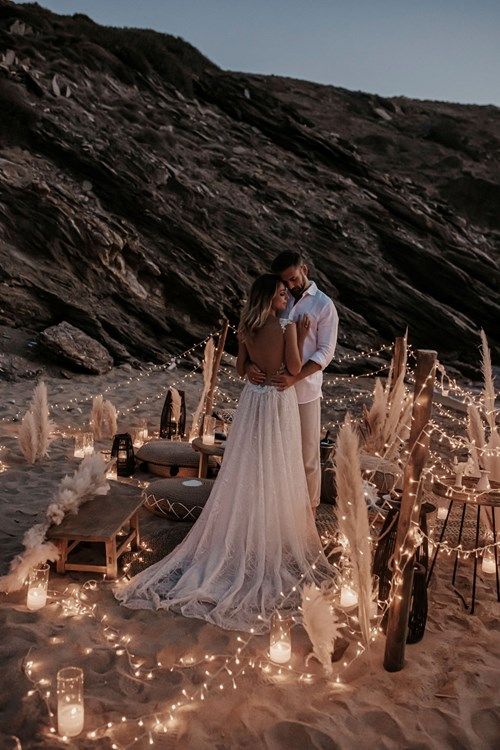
(295,279)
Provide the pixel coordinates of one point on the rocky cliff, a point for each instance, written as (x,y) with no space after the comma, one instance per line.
(141,188)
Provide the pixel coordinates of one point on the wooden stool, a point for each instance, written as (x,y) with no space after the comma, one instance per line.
(206,451)
(98,520)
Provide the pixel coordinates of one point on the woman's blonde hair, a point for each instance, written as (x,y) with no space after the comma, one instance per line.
(258,305)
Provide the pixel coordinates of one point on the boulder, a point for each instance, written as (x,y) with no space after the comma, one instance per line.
(75,346)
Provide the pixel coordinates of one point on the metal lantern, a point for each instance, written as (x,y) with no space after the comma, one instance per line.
(123,451)
(168,425)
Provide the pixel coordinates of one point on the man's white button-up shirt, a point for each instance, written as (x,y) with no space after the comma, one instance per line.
(321,338)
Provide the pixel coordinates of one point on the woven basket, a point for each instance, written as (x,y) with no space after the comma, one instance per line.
(180,499)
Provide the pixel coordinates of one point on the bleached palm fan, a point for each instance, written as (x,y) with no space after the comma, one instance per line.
(321,625)
(491,454)
(352,516)
(208,363)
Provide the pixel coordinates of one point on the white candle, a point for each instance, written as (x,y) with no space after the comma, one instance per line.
(69,719)
(280,652)
(348,597)
(37,597)
(488,564)
(442,512)
(209,439)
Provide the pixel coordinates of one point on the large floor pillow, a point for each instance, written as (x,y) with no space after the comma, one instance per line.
(180,499)
(168,458)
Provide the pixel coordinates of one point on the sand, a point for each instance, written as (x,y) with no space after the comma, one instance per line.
(445,697)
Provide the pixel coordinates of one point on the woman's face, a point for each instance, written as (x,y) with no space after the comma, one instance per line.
(280,299)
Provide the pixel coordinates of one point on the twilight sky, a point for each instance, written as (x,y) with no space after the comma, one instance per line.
(426,49)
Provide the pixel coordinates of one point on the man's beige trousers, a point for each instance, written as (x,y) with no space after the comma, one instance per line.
(310,425)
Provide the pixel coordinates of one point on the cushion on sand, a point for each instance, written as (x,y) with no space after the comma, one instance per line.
(178,498)
(168,458)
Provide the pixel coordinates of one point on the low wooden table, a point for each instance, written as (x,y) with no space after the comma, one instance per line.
(99,520)
(205,450)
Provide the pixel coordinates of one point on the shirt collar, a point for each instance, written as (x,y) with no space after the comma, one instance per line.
(312,289)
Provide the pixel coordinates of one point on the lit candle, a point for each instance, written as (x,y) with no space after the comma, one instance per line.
(70,710)
(70,719)
(280,642)
(37,598)
(38,582)
(280,652)
(348,597)
(442,512)
(488,564)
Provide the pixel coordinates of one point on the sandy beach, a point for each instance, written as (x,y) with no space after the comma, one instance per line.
(139,664)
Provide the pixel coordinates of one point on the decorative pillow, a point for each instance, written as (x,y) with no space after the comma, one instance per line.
(178,499)
(168,458)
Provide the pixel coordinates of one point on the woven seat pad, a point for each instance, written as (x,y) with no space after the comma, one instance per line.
(173,498)
(161,454)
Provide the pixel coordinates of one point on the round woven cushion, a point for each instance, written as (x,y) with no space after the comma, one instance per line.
(179,499)
(168,458)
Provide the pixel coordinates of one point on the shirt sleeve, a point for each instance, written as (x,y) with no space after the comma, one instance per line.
(326,336)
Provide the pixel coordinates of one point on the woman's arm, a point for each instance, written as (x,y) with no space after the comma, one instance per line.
(242,359)
(293,358)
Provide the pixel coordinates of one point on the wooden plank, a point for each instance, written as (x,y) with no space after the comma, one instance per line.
(418,445)
(99,519)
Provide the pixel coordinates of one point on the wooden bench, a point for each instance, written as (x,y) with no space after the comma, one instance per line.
(99,520)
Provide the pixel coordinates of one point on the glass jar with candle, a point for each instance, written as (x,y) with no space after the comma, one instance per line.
(488,563)
(209,430)
(280,642)
(70,711)
(38,582)
(84,444)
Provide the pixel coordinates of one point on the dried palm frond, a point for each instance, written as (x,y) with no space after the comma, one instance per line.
(176,404)
(208,363)
(352,515)
(373,419)
(489,386)
(103,418)
(321,625)
(28,438)
(36,427)
(475,430)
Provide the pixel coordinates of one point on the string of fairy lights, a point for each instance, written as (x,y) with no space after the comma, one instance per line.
(233,666)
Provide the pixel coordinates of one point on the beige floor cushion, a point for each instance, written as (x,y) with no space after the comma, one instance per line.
(172,458)
(180,499)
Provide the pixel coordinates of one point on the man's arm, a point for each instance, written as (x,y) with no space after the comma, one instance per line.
(326,337)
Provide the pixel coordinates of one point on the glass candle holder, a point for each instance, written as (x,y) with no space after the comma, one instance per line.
(348,596)
(374,598)
(84,444)
(209,430)
(38,582)
(70,709)
(280,642)
(488,563)
(442,512)
(111,469)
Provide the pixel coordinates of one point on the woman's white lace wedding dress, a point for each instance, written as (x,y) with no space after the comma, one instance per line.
(256,535)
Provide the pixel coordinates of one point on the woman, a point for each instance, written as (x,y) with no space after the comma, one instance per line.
(256,535)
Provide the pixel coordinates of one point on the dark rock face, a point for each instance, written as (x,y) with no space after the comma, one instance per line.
(76,348)
(141,189)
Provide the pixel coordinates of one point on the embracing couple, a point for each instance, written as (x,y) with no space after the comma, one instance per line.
(256,536)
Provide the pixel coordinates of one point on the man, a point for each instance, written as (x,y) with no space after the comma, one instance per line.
(318,351)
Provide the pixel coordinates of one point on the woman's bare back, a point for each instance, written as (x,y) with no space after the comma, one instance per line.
(266,347)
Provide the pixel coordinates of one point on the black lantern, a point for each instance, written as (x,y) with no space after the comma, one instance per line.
(123,451)
(168,426)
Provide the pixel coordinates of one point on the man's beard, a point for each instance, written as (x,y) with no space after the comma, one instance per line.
(298,291)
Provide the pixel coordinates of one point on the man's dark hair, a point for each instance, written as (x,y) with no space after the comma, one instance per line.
(286,259)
